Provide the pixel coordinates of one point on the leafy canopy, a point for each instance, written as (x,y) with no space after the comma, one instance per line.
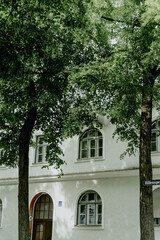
(114,83)
(39,40)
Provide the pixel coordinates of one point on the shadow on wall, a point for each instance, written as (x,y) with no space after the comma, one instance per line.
(9,220)
(119,197)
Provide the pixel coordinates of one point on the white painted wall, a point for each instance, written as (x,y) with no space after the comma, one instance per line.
(115,180)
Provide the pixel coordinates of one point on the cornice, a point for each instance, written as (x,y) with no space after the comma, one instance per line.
(79,176)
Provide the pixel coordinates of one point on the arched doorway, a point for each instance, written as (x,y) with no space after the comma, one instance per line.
(43,214)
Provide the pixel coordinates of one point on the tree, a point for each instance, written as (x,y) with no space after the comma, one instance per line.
(38,41)
(124,84)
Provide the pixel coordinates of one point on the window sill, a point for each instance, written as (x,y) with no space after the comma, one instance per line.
(39,164)
(3,167)
(155,153)
(157,228)
(80,160)
(88,227)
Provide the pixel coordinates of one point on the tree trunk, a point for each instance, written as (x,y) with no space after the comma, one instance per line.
(145,165)
(24,141)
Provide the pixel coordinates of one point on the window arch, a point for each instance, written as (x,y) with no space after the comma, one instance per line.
(0,212)
(89,209)
(91,144)
(155,136)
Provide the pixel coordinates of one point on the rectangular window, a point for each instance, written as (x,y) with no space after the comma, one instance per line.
(41,148)
(153,141)
(157,222)
(0,212)
(1,153)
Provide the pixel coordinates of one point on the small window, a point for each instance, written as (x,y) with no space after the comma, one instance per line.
(155,136)
(89,209)
(91,144)
(0,213)
(157,222)
(1,153)
(41,148)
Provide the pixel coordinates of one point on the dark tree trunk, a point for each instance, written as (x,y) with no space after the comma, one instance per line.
(145,165)
(24,141)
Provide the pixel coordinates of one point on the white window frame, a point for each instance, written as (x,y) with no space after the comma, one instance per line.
(155,131)
(1,212)
(42,145)
(98,136)
(156,222)
(1,153)
(87,205)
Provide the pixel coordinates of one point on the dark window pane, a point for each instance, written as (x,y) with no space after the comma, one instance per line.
(40,150)
(92,144)
(154,125)
(99,209)
(83,209)
(92,153)
(100,152)
(82,219)
(84,144)
(153,136)
(91,197)
(99,133)
(85,135)
(40,158)
(99,219)
(153,146)
(83,198)
(100,143)
(84,153)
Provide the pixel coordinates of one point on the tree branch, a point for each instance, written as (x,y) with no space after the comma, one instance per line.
(155,72)
(120,50)
(112,20)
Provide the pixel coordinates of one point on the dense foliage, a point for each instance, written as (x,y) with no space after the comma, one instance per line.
(39,40)
(113,83)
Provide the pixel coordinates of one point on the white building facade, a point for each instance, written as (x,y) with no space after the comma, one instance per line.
(97,198)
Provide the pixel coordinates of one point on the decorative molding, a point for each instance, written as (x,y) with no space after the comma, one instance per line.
(79,176)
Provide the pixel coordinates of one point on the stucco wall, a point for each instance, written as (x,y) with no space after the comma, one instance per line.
(120,200)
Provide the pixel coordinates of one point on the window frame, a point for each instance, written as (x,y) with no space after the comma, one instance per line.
(156,132)
(43,145)
(97,149)
(1,153)
(1,212)
(156,222)
(87,214)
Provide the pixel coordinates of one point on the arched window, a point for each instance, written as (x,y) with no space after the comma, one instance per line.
(89,209)
(155,136)
(91,144)
(0,212)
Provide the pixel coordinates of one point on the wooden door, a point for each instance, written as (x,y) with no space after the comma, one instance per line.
(39,231)
(42,230)
(42,227)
